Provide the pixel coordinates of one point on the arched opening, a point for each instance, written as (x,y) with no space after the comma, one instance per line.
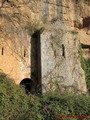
(26,83)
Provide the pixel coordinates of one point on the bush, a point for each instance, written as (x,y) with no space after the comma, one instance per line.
(65,105)
(87,72)
(14,103)
(86,67)
(85,63)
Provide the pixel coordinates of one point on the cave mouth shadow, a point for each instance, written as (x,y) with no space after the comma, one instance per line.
(86,22)
(26,83)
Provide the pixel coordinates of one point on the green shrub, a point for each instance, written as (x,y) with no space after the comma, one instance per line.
(67,104)
(85,63)
(15,104)
(87,73)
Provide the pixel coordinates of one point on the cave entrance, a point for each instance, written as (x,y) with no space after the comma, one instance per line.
(26,83)
(36,62)
(86,22)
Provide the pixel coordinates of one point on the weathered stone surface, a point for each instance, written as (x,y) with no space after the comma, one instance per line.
(60,60)
(53,53)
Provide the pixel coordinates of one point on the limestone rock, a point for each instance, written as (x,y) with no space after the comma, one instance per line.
(39,39)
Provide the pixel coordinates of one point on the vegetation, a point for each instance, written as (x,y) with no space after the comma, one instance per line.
(86,67)
(54,104)
(16,105)
(85,63)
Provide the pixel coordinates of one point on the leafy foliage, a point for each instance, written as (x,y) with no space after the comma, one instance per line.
(85,63)
(16,105)
(65,105)
(87,72)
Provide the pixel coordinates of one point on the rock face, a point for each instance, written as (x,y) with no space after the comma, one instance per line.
(40,40)
(61,61)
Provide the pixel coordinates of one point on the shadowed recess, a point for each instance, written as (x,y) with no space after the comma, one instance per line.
(36,62)
(26,83)
(86,22)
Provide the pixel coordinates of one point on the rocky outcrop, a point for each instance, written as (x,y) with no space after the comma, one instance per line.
(61,67)
(42,39)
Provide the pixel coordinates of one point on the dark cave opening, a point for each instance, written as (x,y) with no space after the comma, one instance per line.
(86,22)
(26,83)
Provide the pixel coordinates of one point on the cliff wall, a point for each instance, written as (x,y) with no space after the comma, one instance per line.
(39,39)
